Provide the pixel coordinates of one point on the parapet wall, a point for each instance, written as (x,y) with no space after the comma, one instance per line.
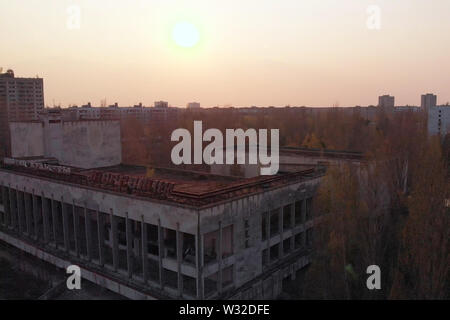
(27,139)
(82,144)
(91,144)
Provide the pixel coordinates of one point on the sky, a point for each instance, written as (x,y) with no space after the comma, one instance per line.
(250,52)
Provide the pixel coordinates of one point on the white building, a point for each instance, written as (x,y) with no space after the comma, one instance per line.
(439,120)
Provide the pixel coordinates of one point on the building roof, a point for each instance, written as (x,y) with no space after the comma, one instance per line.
(189,188)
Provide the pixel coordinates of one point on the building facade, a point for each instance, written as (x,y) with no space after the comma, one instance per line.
(21,99)
(438,120)
(387,102)
(428,101)
(162,238)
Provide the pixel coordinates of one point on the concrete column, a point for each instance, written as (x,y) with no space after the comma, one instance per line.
(201,279)
(268,236)
(35,216)
(101,238)
(12,207)
(3,203)
(76,229)
(304,211)
(160,253)
(20,209)
(220,253)
(28,212)
(6,205)
(293,273)
(293,226)
(88,229)
(179,239)
(3,191)
(129,236)
(280,223)
(65,221)
(144,249)
(45,218)
(198,263)
(114,241)
(54,220)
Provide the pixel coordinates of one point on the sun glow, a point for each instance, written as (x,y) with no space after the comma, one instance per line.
(185,34)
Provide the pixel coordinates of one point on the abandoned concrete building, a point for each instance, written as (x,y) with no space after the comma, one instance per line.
(175,235)
(154,233)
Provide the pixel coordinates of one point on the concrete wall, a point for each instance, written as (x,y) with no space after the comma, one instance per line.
(83,144)
(53,139)
(90,144)
(27,139)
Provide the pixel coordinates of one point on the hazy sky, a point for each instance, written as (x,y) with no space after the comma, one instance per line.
(251,52)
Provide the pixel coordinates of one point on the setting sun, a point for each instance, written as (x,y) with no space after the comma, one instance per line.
(185,34)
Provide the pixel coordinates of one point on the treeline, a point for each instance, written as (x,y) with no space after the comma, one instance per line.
(332,128)
(393,216)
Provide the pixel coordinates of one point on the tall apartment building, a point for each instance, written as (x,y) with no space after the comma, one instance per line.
(439,120)
(20,100)
(193,105)
(428,100)
(386,101)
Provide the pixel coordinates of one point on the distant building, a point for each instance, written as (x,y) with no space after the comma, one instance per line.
(386,101)
(161,104)
(428,100)
(21,99)
(193,105)
(438,120)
